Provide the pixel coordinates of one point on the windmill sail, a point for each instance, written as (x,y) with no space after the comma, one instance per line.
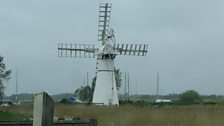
(76,50)
(132,49)
(104,20)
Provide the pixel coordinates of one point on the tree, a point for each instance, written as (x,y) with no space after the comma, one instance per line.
(84,93)
(93,86)
(118,77)
(4,76)
(190,97)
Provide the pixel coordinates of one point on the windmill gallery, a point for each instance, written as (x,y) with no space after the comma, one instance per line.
(105,92)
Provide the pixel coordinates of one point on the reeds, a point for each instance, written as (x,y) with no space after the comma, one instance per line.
(146,116)
(198,115)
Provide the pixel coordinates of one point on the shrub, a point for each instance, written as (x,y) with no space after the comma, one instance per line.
(190,97)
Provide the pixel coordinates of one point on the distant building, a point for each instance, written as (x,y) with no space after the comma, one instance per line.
(163,101)
(5,102)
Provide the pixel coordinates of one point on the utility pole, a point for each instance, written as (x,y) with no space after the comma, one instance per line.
(157,87)
(125,82)
(16,98)
(87,78)
(136,89)
(16,82)
(84,82)
(128,87)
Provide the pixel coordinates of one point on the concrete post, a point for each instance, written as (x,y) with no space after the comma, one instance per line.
(43,110)
(93,122)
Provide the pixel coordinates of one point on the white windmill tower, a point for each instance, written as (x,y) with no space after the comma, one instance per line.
(105,92)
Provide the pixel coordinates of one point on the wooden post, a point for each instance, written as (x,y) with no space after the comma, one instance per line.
(43,110)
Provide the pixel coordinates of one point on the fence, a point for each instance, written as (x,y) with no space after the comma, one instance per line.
(91,122)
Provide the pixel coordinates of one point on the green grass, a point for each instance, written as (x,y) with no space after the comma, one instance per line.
(7,116)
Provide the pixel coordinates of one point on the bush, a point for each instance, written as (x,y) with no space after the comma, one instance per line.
(190,97)
(209,103)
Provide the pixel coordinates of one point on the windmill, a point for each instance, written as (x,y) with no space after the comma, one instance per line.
(105,91)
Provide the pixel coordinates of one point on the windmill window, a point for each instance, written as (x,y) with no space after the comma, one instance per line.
(108,56)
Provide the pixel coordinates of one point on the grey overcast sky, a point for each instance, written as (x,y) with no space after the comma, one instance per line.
(185,38)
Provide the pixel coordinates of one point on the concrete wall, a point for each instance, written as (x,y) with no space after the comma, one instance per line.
(43,113)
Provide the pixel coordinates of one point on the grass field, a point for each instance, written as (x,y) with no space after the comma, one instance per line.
(197,115)
(6,116)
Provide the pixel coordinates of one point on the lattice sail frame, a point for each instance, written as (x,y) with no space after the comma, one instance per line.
(77,50)
(104,22)
(132,49)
